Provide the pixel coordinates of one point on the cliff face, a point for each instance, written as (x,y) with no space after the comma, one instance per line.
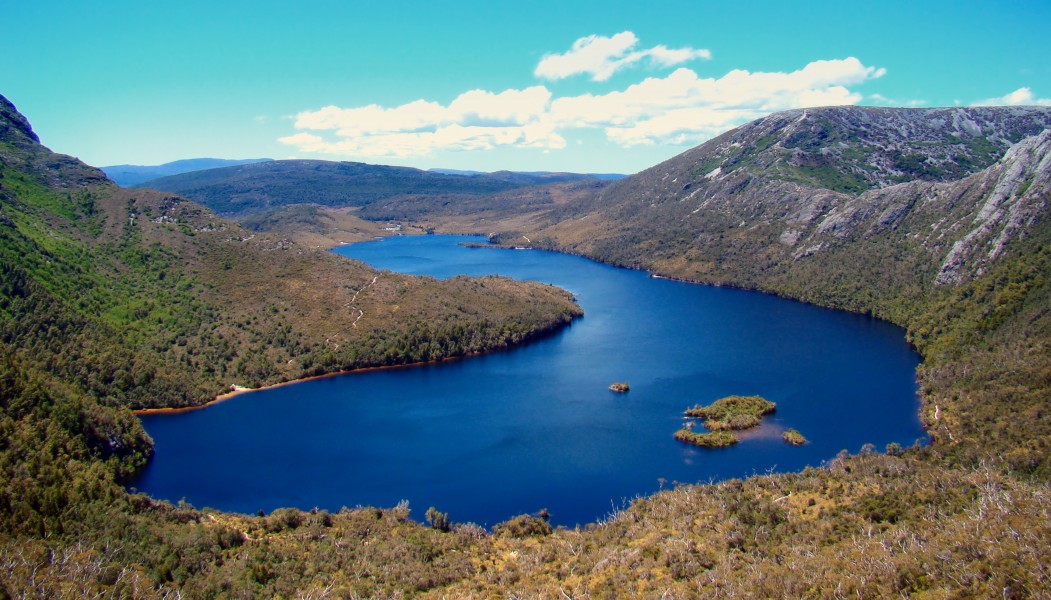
(1015,195)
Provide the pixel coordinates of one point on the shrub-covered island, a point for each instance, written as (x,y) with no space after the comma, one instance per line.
(713,439)
(722,418)
(732,412)
(793,437)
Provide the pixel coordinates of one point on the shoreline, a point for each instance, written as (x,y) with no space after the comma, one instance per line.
(239,390)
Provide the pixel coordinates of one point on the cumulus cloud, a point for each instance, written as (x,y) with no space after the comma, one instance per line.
(1023,96)
(679,108)
(601,57)
(684,107)
(509,108)
(475,120)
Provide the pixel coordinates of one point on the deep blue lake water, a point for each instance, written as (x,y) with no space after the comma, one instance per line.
(512,432)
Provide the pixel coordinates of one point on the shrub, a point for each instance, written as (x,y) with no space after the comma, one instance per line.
(523,526)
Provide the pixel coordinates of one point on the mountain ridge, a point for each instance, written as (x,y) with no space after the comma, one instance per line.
(132,175)
(746,186)
(260,187)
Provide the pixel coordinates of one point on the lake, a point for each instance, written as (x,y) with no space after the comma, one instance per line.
(511,432)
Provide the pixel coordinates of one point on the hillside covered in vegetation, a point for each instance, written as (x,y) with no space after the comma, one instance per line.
(145,299)
(967,516)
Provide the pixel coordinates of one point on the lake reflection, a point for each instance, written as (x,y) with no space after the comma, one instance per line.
(511,432)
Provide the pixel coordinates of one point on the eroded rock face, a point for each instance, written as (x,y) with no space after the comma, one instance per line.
(979,214)
(1018,191)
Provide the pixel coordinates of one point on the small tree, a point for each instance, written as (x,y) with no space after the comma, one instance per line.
(438,520)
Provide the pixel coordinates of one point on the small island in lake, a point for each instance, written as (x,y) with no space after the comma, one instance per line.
(722,418)
(732,412)
(619,387)
(794,437)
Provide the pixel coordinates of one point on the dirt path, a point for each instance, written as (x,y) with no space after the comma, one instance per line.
(354,299)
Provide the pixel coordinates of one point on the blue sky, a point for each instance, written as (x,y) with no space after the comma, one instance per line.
(561,86)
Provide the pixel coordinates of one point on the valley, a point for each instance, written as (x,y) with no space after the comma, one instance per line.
(509,433)
(933,219)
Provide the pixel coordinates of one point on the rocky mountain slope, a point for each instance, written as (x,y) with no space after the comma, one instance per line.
(935,189)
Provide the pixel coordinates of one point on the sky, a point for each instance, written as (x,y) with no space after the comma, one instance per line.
(580,86)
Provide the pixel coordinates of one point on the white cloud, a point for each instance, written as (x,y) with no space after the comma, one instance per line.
(475,120)
(669,57)
(679,126)
(679,108)
(373,118)
(683,107)
(1023,96)
(306,142)
(601,57)
(506,109)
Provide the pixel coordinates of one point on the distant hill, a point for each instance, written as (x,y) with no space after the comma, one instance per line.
(550,176)
(131,175)
(260,187)
(515,203)
(558,176)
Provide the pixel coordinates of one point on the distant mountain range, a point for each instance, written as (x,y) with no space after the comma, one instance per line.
(131,175)
(542,174)
(264,186)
